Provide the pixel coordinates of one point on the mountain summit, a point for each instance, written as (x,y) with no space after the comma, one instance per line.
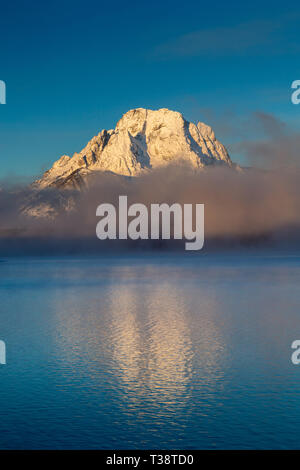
(143,139)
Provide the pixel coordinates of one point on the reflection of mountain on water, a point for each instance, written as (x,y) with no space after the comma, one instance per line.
(150,352)
(144,333)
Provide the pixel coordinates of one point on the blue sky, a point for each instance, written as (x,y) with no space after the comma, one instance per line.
(73,68)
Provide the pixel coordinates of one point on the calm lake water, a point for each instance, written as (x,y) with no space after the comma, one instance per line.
(155,351)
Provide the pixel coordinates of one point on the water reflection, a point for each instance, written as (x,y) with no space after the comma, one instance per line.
(151,341)
(145,332)
(150,354)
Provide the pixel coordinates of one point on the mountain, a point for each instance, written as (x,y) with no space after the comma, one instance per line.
(143,139)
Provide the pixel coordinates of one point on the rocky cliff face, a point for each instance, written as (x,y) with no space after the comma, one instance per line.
(143,139)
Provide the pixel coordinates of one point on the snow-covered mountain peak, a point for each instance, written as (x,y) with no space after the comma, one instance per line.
(143,139)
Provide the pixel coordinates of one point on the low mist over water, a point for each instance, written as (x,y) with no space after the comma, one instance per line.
(248,206)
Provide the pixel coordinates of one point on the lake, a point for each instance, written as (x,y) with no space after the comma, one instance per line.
(150,351)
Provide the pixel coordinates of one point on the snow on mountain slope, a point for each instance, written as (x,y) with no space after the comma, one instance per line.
(143,139)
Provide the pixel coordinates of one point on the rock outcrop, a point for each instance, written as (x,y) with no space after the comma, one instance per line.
(143,139)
